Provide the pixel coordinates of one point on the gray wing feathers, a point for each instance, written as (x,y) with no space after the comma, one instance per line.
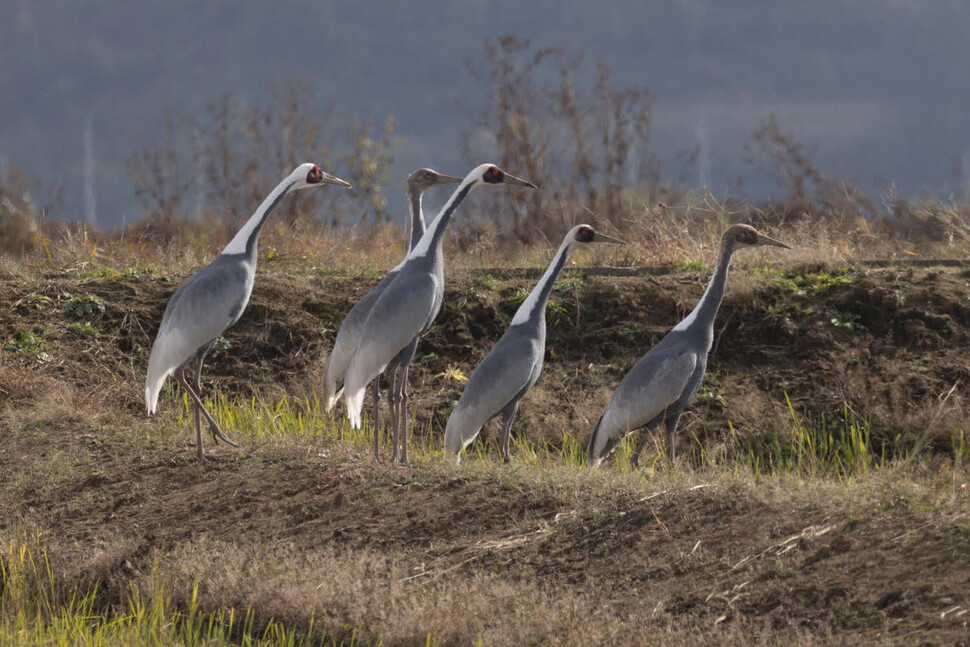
(201,309)
(400,314)
(655,383)
(346,341)
(508,370)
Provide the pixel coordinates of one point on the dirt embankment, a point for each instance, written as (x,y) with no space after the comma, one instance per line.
(498,552)
(882,346)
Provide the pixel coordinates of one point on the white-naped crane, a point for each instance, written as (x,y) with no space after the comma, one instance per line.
(349,333)
(513,365)
(212,300)
(405,310)
(663,382)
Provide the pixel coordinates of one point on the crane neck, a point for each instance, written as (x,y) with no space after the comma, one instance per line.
(430,241)
(534,306)
(415,198)
(244,242)
(705,311)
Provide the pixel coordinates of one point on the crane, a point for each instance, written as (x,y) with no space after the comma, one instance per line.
(512,367)
(212,300)
(663,382)
(405,310)
(346,341)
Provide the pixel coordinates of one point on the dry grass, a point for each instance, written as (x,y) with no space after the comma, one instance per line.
(655,236)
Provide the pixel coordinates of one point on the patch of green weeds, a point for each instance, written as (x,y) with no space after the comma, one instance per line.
(707,395)
(82,307)
(697,267)
(569,283)
(28,346)
(220,343)
(37,301)
(133,272)
(847,320)
(82,328)
(485,281)
(813,283)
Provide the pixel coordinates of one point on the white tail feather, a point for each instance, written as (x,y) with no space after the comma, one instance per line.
(354,403)
(153,386)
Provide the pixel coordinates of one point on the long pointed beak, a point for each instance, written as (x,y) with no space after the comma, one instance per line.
(332,179)
(448,179)
(603,238)
(765,240)
(511,179)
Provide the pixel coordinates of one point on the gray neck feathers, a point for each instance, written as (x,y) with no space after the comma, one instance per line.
(706,309)
(415,196)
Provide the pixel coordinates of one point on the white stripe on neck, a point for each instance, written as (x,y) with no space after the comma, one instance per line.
(524,313)
(238,243)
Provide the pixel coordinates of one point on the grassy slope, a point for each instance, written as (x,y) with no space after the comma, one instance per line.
(303,525)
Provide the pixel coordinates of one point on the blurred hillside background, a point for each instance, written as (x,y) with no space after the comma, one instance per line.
(116,111)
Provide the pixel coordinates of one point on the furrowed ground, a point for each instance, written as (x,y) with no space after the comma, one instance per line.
(820,495)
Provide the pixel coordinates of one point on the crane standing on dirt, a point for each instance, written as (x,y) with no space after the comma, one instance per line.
(212,300)
(663,382)
(349,333)
(512,367)
(405,310)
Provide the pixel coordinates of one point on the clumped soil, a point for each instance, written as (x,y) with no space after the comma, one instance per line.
(887,346)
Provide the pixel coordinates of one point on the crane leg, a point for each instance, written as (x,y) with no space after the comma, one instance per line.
(399,402)
(642,440)
(508,414)
(198,414)
(394,400)
(200,408)
(403,413)
(671,424)
(377,419)
(217,434)
(377,402)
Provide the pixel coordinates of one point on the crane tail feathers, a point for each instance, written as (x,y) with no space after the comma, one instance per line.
(335,374)
(354,403)
(153,386)
(458,433)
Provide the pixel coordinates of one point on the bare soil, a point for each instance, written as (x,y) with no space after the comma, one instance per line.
(635,559)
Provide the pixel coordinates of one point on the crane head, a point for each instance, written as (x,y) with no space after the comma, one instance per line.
(586,234)
(491,174)
(747,236)
(309,174)
(425,178)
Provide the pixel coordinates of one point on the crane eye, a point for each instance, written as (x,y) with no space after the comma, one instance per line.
(585,235)
(314,176)
(493,175)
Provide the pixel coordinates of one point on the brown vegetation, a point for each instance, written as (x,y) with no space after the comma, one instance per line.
(734,546)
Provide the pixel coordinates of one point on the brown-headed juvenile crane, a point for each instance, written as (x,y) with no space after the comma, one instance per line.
(663,382)
(405,310)
(348,335)
(212,300)
(512,367)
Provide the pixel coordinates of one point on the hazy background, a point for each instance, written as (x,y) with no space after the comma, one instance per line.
(877,89)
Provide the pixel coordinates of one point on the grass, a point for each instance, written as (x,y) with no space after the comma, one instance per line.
(37,608)
(839,449)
